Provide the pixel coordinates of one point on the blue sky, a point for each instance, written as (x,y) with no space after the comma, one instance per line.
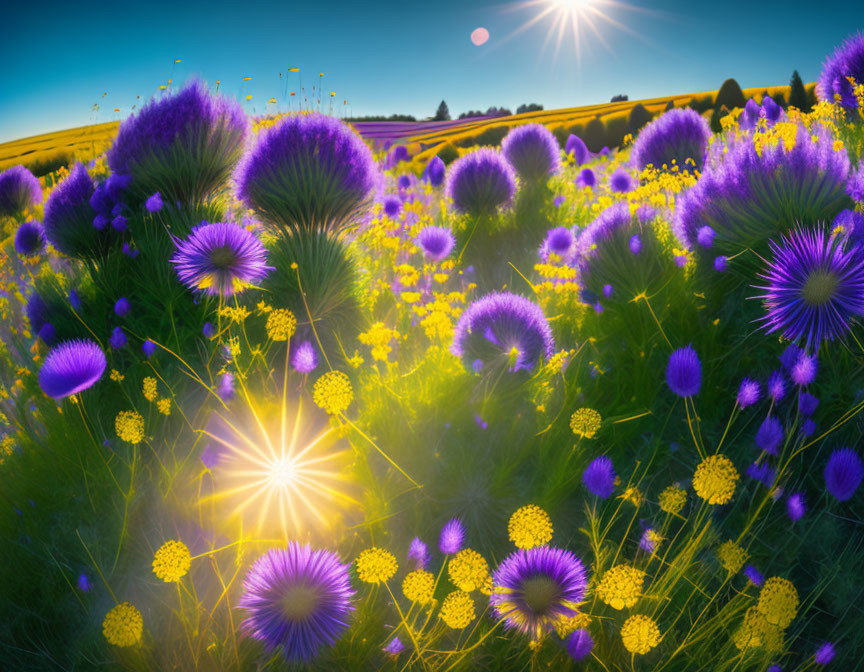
(386,57)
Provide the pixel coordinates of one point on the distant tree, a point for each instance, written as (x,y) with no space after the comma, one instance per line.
(621,97)
(730,95)
(639,116)
(529,107)
(701,105)
(670,105)
(797,94)
(595,134)
(498,112)
(443,113)
(448,154)
(472,113)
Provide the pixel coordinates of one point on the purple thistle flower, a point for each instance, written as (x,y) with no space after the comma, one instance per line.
(843,473)
(310,172)
(19,190)
(297,598)
(220,258)
(122,307)
(437,242)
(403,182)
(304,358)
(452,537)
(648,540)
(846,61)
(84,583)
(579,644)
(814,287)
(182,145)
(148,347)
(705,236)
(754,575)
(418,553)
(394,648)
(578,149)
(392,206)
(503,328)
(435,171)
(100,222)
(824,654)
(807,403)
(635,244)
(208,330)
(720,264)
(790,356)
(587,178)
(481,182)
(30,239)
(118,338)
(129,251)
(679,138)
(796,507)
(684,372)
(852,224)
(620,182)
(762,473)
(120,223)
(398,154)
(599,477)
(750,115)
(533,152)
(559,241)
(71,367)
(770,435)
(748,393)
(804,370)
(68,217)
(154,203)
(770,111)
(808,427)
(534,588)
(776,386)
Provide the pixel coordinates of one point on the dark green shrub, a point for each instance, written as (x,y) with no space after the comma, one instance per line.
(595,134)
(639,116)
(448,154)
(730,95)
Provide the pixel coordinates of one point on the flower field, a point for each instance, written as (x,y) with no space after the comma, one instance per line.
(282,393)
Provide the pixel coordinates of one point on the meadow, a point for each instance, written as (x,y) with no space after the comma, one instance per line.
(567,390)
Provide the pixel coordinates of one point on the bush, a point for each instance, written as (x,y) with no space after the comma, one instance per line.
(529,107)
(448,154)
(639,116)
(491,136)
(595,134)
(616,129)
(797,95)
(702,104)
(621,97)
(561,134)
(50,164)
(730,95)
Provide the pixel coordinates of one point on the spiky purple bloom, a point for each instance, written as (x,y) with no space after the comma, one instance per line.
(29,238)
(599,477)
(68,217)
(763,473)
(154,203)
(310,172)
(679,137)
(782,189)
(846,61)
(418,553)
(749,115)
(481,182)
(435,171)
(503,328)
(577,148)
(807,403)
(850,223)
(148,347)
(437,242)
(579,644)
(304,358)
(533,152)
(770,435)
(770,110)
(182,145)
(754,575)
(803,371)
(684,372)
(559,241)
(749,393)
(118,338)
(825,653)
(19,190)
(452,537)
(71,367)
(776,386)
(534,588)
(843,473)
(720,263)
(587,178)
(705,236)
(620,182)
(220,258)
(796,507)
(297,598)
(392,206)
(394,648)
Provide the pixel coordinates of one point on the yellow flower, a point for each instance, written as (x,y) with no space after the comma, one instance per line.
(530,526)
(171,562)
(569,624)
(457,610)
(149,388)
(715,479)
(418,586)
(129,426)
(778,601)
(640,634)
(585,422)
(164,406)
(281,324)
(487,586)
(333,392)
(375,565)
(757,631)
(116,376)
(673,499)
(732,556)
(621,586)
(234,313)
(379,337)
(468,569)
(633,496)
(123,625)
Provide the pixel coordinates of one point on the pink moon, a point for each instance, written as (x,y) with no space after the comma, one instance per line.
(479,36)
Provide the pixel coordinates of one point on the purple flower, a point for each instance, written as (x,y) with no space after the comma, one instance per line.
(648,540)
(599,477)
(814,287)
(852,224)
(807,403)
(770,435)
(48,333)
(29,239)
(452,537)
(309,172)
(503,328)
(392,206)
(855,185)
(304,358)
(418,553)
(118,338)
(804,370)
(37,312)
(533,152)
(635,244)
(620,182)
(808,427)
(148,347)
(720,264)
(297,598)
(586,178)
(208,330)
(763,473)
(534,588)
(796,507)
(68,217)
(684,372)
(754,575)
(225,389)
(481,182)
(748,393)
(220,258)
(71,367)
(84,583)
(394,648)
(679,138)
(211,455)
(776,386)
(559,241)
(705,236)
(120,223)
(846,61)
(825,653)
(579,643)
(435,171)
(122,307)
(843,473)
(437,242)
(154,203)
(403,182)
(19,190)
(770,111)
(398,154)
(578,149)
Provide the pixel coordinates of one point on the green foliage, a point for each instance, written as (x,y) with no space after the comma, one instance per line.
(448,153)
(730,95)
(442,113)
(638,118)
(595,135)
(797,95)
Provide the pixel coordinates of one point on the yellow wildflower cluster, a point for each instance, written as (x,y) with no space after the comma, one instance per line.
(778,601)
(129,426)
(731,556)
(673,499)
(375,565)
(149,388)
(116,376)
(236,314)
(164,406)
(123,625)
(407,275)
(585,422)
(457,610)
(439,315)
(418,586)
(715,479)
(757,631)
(621,586)
(640,634)
(378,338)
(632,495)
(569,624)
(172,561)
(7,448)
(281,324)
(468,569)
(784,132)
(530,526)
(333,392)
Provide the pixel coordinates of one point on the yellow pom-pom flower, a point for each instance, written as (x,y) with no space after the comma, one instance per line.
(640,634)
(333,392)
(149,388)
(171,562)
(281,324)
(468,569)
(585,422)
(757,631)
(530,526)
(673,499)
(129,426)
(715,479)
(778,601)
(732,556)
(418,586)
(457,610)
(621,586)
(164,406)
(375,565)
(123,625)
